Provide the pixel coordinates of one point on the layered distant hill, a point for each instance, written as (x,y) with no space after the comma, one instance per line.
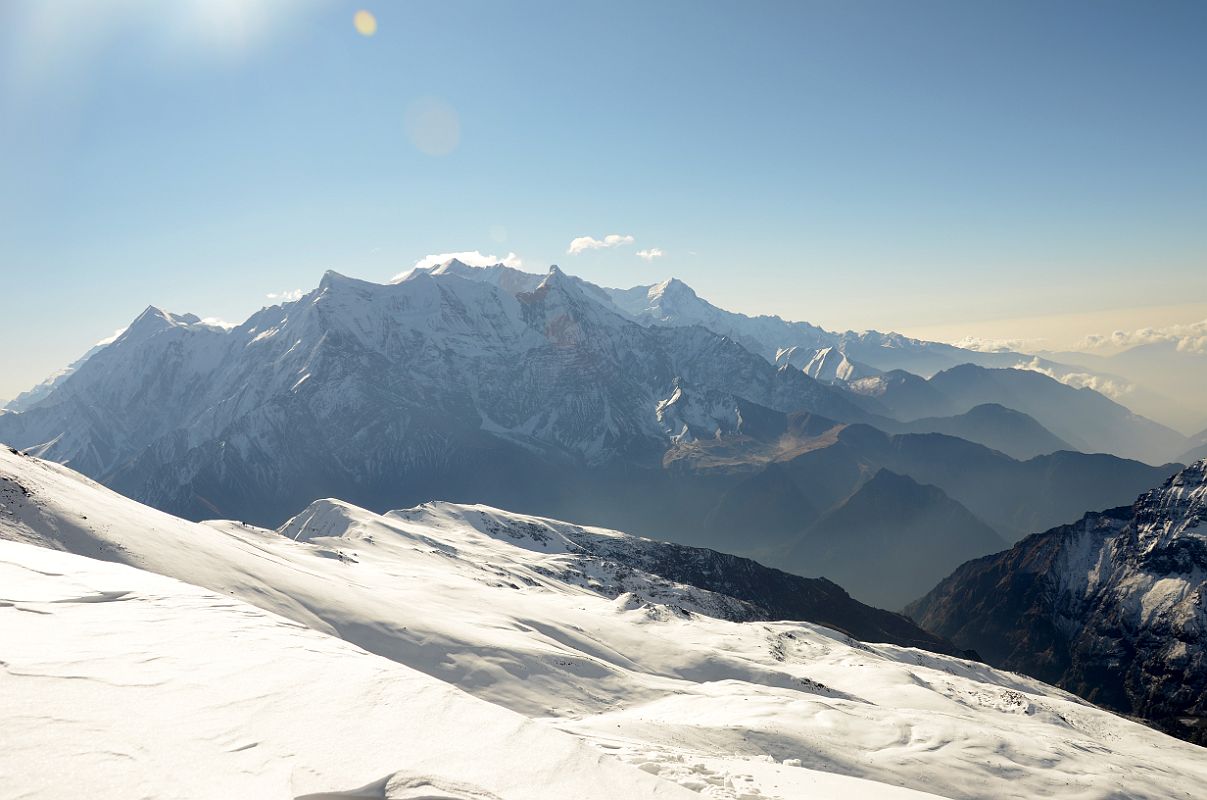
(1198,450)
(1012,432)
(1165,378)
(917,532)
(1083,418)
(1011,496)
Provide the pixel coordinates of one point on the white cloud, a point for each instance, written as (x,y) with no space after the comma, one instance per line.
(651,254)
(582,243)
(286,296)
(473,258)
(214,322)
(1190,338)
(110,339)
(983,344)
(1110,387)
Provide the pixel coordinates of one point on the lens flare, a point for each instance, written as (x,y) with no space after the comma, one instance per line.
(433,126)
(365,22)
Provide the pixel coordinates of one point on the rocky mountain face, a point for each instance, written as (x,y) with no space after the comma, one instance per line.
(1112,607)
(830,365)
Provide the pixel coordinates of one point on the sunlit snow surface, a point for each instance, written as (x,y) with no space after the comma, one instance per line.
(123,684)
(147,687)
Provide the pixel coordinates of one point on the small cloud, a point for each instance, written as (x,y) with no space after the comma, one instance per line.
(214,322)
(472,258)
(651,254)
(287,296)
(1111,387)
(1190,338)
(582,243)
(983,344)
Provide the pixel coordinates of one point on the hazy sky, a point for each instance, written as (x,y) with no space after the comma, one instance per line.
(958,168)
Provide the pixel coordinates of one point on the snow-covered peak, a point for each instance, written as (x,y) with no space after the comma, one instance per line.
(507,278)
(670,302)
(571,309)
(689,414)
(829,364)
(671,289)
(325,518)
(333,281)
(455,266)
(1177,510)
(153,320)
(555,277)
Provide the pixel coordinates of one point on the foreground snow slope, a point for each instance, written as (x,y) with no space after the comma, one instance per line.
(119,684)
(516,611)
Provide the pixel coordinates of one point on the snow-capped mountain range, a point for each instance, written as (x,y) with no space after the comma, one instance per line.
(1113,607)
(467,653)
(674,303)
(409,390)
(359,386)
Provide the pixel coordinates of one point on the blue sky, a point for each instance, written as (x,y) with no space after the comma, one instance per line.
(933,167)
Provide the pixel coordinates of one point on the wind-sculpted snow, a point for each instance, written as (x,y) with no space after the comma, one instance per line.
(1113,607)
(572,627)
(119,683)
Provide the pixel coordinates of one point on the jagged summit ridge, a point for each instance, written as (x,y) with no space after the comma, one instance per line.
(1177,509)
